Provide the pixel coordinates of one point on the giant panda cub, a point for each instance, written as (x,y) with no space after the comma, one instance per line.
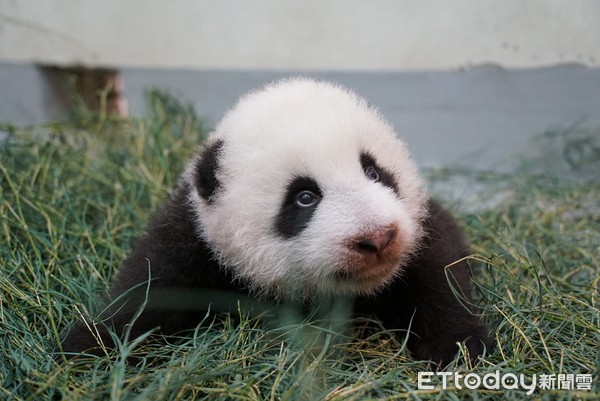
(302,193)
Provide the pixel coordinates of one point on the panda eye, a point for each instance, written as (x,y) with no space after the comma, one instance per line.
(306,199)
(372,174)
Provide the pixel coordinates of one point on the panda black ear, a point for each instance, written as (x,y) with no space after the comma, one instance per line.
(207,167)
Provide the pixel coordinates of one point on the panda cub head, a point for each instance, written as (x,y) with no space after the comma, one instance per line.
(304,189)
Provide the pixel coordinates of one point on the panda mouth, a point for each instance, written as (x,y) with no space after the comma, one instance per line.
(368,271)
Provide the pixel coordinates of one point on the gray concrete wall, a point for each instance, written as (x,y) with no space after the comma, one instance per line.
(478,117)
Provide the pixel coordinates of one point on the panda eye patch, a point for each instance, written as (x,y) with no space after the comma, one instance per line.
(299,204)
(372,174)
(306,199)
(376,173)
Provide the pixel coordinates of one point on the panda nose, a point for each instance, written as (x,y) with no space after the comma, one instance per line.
(375,243)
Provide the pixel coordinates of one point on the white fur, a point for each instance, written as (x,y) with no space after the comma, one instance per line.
(301,127)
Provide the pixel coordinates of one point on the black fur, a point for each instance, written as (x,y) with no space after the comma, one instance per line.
(186,282)
(207,181)
(292,218)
